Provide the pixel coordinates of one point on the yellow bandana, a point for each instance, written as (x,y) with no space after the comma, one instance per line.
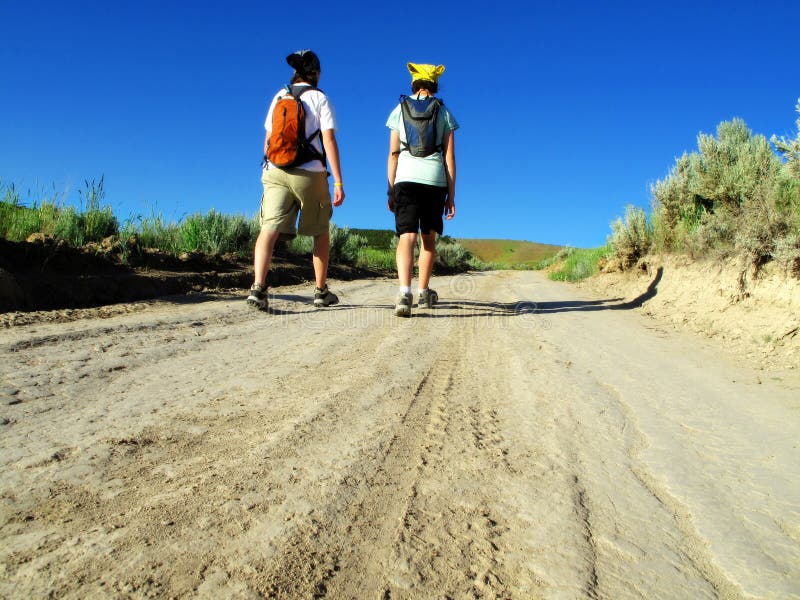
(425,72)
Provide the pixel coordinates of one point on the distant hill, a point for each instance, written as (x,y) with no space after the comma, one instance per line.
(508,252)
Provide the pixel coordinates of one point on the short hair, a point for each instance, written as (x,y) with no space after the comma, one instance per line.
(423,84)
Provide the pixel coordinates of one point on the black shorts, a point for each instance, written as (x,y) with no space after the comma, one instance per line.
(418,207)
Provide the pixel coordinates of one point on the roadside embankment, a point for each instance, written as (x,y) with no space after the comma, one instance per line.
(48,275)
(755,314)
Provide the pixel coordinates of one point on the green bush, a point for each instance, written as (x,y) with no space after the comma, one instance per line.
(733,196)
(449,254)
(381,259)
(476,264)
(579,264)
(452,255)
(376,238)
(790,148)
(300,245)
(560,256)
(345,246)
(631,239)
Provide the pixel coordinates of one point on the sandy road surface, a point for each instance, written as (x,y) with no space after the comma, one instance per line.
(492,448)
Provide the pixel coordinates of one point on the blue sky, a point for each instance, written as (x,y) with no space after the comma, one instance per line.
(568,111)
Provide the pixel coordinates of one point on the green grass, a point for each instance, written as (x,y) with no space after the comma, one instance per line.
(380,259)
(51,217)
(150,232)
(217,233)
(94,221)
(376,238)
(577,264)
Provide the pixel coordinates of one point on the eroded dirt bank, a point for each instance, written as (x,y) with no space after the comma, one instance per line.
(48,275)
(523,440)
(753,314)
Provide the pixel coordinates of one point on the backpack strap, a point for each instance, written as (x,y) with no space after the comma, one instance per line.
(404,109)
(296,91)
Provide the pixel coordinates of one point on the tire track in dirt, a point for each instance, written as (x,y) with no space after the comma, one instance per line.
(65,369)
(476,452)
(399,534)
(591,590)
(463,538)
(373,497)
(235,456)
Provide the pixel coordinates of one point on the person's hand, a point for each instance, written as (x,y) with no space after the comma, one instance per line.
(449,209)
(338,195)
(390,199)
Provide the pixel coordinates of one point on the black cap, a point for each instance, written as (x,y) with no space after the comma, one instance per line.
(304,62)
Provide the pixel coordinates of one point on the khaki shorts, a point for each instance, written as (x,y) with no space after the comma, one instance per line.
(289,191)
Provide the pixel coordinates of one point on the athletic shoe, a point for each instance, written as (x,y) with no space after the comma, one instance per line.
(258,296)
(427,298)
(403,306)
(324,297)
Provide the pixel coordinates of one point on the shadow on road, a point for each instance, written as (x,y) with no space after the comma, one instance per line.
(456,308)
(474,308)
(609,304)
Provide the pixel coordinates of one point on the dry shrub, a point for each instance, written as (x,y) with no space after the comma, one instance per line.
(787,253)
(734,196)
(630,239)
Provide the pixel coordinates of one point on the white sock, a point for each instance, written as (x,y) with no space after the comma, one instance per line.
(420,290)
(405,289)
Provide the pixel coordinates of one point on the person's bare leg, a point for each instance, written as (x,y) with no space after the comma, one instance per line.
(262,255)
(405,258)
(322,251)
(427,255)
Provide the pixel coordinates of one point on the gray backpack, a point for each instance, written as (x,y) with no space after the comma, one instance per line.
(419,122)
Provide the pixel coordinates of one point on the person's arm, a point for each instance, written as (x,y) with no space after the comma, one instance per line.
(332,152)
(391,169)
(449,143)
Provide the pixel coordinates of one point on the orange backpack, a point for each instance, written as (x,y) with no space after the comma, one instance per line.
(288,145)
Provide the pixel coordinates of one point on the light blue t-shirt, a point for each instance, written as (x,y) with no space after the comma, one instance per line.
(427,169)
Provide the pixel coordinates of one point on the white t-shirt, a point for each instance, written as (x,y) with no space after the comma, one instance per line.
(319,115)
(430,169)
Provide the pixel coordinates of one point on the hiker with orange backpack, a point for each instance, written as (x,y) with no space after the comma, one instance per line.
(299,145)
(422,180)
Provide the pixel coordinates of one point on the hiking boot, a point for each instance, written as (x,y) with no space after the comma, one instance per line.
(324,297)
(403,305)
(258,296)
(427,298)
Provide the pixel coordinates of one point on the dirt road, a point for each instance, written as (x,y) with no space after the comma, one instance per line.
(520,441)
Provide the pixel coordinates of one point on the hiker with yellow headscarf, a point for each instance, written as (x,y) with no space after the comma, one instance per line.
(422,180)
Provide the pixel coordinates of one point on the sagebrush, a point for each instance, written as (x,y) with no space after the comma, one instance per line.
(736,195)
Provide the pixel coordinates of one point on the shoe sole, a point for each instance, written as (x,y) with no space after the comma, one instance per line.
(322,304)
(255,303)
(402,311)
